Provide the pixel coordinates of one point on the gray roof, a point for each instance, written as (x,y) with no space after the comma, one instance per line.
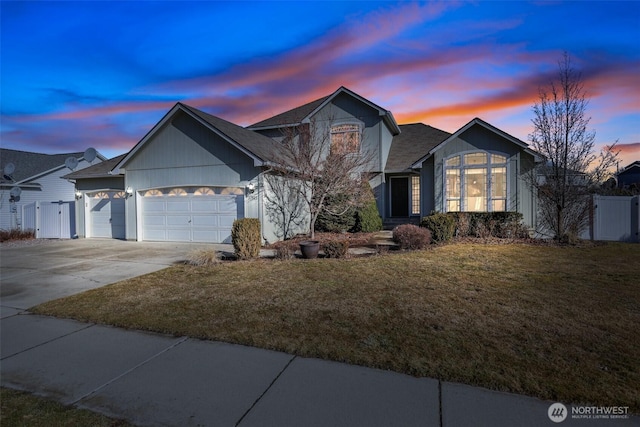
(259,145)
(299,114)
(291,117)
(414,142)
(100,170)
(629,167)
(30,165)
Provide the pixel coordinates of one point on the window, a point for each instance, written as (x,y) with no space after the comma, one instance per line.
(476,182)
(415,195)
(204,191)
(345,139)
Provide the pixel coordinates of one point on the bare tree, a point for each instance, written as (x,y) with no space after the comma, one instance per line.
(285,205)
(311,166)
(571,165)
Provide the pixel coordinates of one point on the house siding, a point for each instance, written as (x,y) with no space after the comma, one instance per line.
(185,153)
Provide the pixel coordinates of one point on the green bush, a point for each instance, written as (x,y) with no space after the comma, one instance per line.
(363,218)
(336,249)
(336,223)
(411,237)
(367,217)
(489,224)
(246,238)
(442,226)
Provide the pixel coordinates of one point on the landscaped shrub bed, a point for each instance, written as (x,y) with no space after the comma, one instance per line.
(444,226)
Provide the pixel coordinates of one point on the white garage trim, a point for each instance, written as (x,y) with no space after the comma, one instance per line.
(190,214)
(105,214)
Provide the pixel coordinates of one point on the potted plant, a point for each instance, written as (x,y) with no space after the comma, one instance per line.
(310,248)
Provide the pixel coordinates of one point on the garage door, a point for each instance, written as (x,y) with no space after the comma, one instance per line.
(106,211)
(184,215)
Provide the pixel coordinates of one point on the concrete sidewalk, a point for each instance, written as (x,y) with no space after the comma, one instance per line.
(152,379)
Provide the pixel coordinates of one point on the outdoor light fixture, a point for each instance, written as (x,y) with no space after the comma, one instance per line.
(78,194)
(129,191)
(251,187)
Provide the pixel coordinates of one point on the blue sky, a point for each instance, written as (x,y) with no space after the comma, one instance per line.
(101,74)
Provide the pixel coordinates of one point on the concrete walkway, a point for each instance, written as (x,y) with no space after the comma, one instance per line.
(156,380)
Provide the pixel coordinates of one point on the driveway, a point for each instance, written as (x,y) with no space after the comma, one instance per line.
(34,272)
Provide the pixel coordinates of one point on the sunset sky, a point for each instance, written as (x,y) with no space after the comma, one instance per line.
(100,74)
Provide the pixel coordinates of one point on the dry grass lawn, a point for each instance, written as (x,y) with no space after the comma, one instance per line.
(24,409)
(560,323)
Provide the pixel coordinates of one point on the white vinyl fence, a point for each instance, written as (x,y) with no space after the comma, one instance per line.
(615,218)
(50,220)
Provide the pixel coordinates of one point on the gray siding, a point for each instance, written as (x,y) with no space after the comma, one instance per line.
(185,153)
(427,187)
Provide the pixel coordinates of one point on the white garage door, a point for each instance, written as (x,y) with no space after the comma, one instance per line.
(106,210)
(179,215)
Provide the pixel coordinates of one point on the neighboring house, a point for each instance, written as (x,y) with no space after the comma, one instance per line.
(194,173)
(44,202)
(629,176)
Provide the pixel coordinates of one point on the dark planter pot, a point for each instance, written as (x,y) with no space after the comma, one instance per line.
(310,248)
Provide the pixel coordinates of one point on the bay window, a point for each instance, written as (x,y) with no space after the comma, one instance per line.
(475,182)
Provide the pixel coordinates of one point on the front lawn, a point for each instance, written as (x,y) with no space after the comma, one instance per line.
(560,323)
(23,409)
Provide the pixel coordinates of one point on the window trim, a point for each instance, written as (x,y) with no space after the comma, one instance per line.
(462,167)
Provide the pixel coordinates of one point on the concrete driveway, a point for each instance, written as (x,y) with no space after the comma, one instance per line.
(38,271)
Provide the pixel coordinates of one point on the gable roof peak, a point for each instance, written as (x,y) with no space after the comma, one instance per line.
(303,113)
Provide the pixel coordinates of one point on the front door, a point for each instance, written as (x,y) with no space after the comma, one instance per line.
(400,196)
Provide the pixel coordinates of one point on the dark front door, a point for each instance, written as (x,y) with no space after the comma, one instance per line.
(400,196)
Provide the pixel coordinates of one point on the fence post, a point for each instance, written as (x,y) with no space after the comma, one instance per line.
(635,218)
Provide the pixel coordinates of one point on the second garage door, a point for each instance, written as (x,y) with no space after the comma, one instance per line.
(106,210)
(176,215)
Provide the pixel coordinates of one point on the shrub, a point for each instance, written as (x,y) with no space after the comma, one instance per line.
(245,236)
(204,257)
(442,226)
(411,237)
(16,234)
(286,250)
(367,217)
(336,223)
(336,249)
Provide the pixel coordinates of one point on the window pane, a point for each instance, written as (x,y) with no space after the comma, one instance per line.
(475,159)
(475,181)
(454,161)
(499,182)
(498,205)
(453,183)
(453,205)
(415,195)
(496,158)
